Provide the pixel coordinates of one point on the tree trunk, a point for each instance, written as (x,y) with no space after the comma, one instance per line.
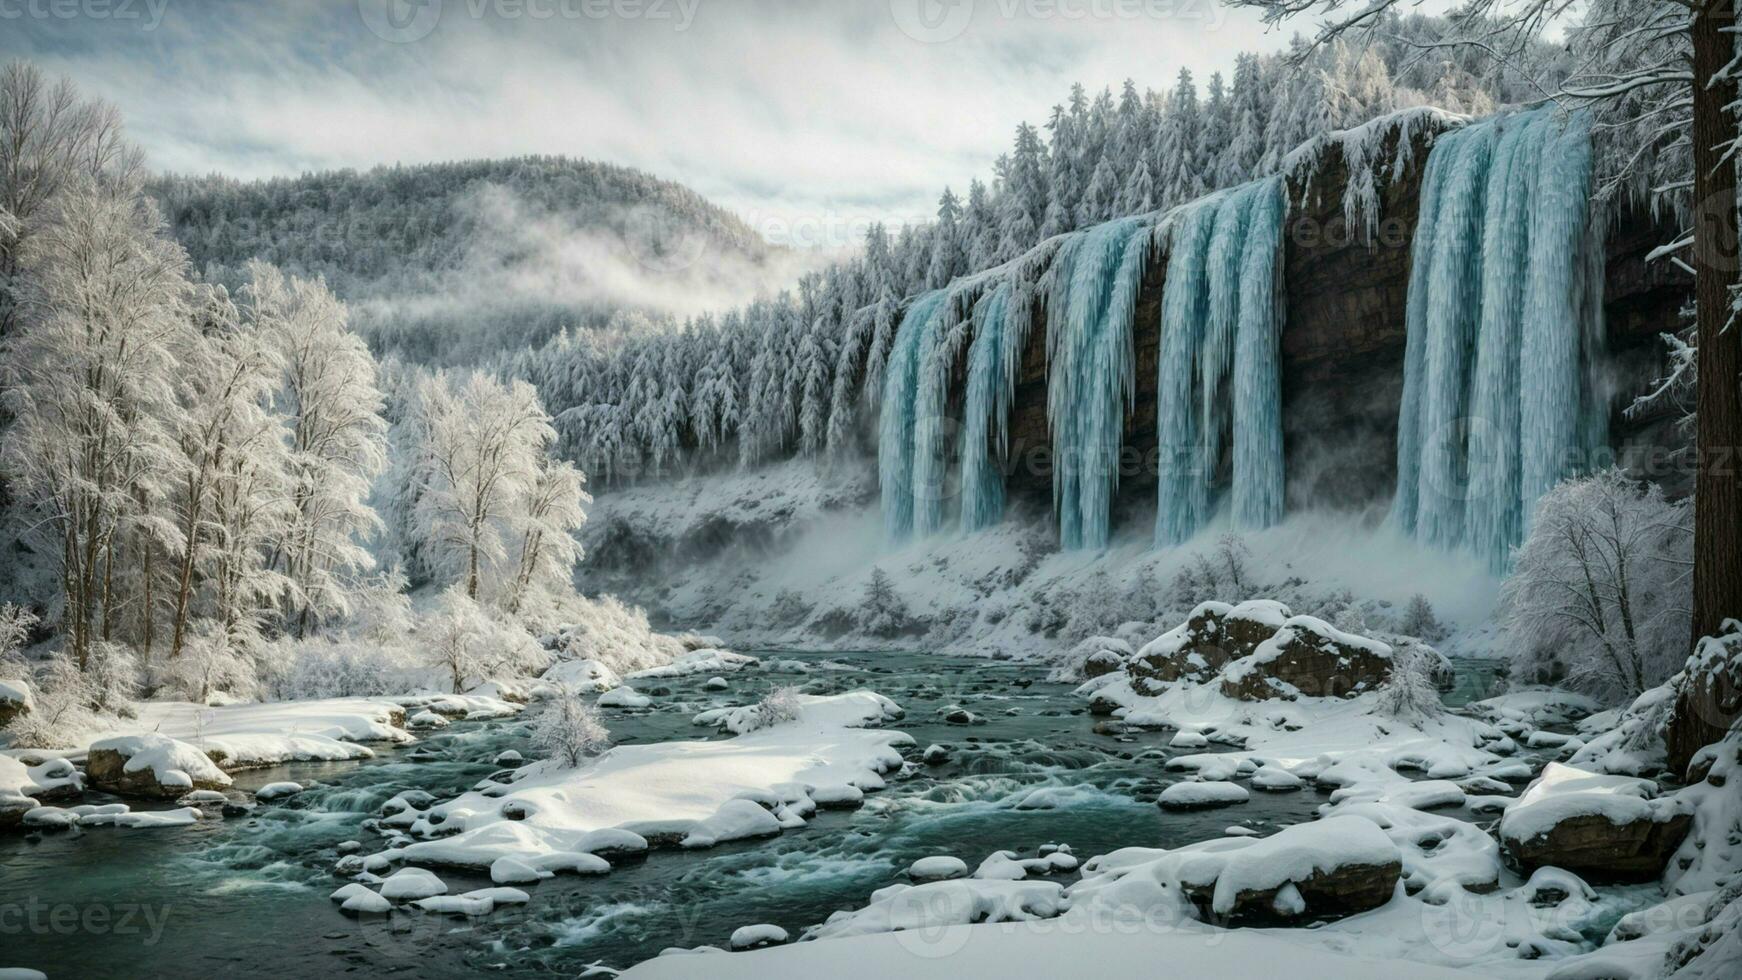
(1700,716)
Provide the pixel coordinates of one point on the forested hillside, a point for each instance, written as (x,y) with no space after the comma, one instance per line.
(447,262)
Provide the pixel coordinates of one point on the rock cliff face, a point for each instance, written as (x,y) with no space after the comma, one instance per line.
(1343,349)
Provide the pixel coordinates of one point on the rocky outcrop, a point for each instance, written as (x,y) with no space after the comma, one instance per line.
(1308,657)
(1214,636)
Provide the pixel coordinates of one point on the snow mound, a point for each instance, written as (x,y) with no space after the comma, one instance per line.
(582,676)
(693,793)
(697,662)
(902,907)
(1193,796)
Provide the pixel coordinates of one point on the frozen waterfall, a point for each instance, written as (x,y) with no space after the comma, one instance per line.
(1503,317)
(1221,321)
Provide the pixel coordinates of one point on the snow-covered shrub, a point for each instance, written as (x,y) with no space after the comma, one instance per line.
(15,625)
(780,704)
(1418,620)
(209,663)
(467,644)
(69,703)
(321,668)
(1599,597)
(381,612)
(883,612)
(1219,573)
(1410,694)
(571,730)
(612,632)
(789,608)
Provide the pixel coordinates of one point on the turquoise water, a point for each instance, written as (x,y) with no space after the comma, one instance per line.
(248,897)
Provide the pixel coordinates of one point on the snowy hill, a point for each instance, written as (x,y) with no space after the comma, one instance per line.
(449,262)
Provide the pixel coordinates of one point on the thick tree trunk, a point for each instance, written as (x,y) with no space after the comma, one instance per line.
(1701,716)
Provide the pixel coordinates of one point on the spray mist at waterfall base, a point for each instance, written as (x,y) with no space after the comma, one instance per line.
(1005,590)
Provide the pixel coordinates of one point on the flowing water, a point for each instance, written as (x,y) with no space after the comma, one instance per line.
(248,897)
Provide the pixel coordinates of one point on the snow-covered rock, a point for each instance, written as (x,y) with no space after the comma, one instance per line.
(278,791)
(939,868)
(582,676)
(697,662)
(624,697)
(411,884)
(24,787)
(1608,826)
(903,907)
(151,765)
(1308,657)
(1330,868)
(1198,795)
(757,937)
(16,700)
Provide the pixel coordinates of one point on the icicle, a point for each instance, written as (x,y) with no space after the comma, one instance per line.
(985,430)
(1091,377)
(895,441)
(1258,461)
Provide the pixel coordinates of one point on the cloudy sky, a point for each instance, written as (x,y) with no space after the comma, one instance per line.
(807,118)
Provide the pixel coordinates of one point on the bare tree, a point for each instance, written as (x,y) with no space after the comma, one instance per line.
(1599,592)
(50,139)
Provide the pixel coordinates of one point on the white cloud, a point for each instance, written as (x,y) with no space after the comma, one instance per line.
(809,119)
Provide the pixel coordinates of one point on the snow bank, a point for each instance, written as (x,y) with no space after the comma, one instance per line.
(693,793)
(252,736)
(903,907)
(1039,949)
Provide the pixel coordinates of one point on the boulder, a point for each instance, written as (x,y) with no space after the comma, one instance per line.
(1308,657)
(1102,662)
(1312,872)
(1599,826)
(151,765)
(15,701)
(1215,635)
